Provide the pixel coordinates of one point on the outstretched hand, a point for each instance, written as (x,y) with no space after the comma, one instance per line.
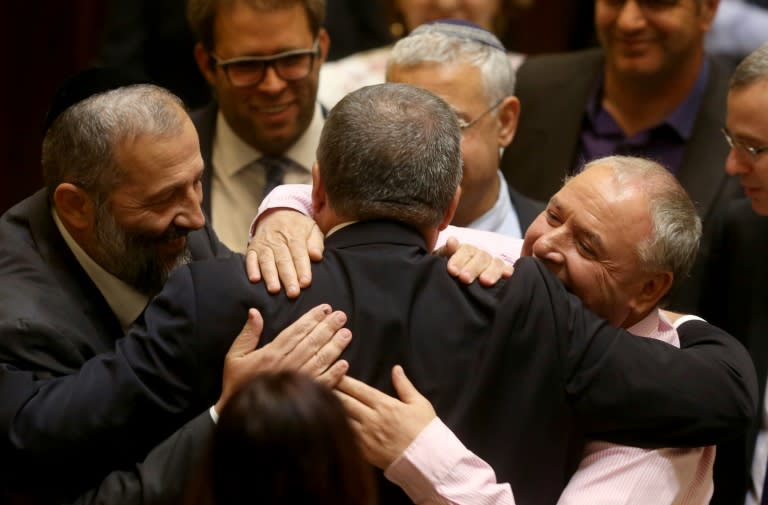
(385,425)
(468,263)
(311,345)
(283,244)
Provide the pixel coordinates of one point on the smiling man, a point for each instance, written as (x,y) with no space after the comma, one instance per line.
(262,58)
(648,91)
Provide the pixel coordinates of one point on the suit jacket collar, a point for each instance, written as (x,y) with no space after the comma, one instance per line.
(63,269)
(204,120)
(377,232)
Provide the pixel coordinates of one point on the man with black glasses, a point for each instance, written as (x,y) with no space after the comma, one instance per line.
(262,59)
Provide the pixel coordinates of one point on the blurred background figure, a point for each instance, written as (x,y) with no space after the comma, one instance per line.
(284,439)
(368,67)
(740,27)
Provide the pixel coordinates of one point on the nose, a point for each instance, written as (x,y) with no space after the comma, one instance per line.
(549,247)
(631,16)
(190,213)
(447,4)
(272,83)
(735,163)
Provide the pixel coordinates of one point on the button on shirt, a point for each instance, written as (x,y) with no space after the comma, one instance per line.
(664,143)
(237,184)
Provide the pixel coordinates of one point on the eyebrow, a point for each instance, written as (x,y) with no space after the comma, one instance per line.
(593,238)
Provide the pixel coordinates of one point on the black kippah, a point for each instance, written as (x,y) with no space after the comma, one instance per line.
(461,29)
(82,85)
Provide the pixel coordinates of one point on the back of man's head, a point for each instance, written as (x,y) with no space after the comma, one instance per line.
(391,151)
(451,41)
(81,143)
(752,69)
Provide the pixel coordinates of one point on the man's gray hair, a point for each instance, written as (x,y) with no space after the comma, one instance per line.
(81,145)
(430,44)
(753,68)
(676,226)
(391,151)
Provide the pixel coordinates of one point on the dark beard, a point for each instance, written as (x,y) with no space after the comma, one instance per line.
(134,258)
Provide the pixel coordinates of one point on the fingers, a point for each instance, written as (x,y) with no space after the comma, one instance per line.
(286,266)
(335,373)
(311,343)
(315,244)
(252,264)
(265,258)
(405,389)
(494,271)
(248,338)
(470,262)
(361,391)
(326,355)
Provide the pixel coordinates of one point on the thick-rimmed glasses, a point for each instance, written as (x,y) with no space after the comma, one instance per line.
(464,125)
(250,70)
(753,152)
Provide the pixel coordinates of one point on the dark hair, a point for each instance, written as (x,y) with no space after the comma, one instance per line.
(391,151)
(284,439)
(201,14)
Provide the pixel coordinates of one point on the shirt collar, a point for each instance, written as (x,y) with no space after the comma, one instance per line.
(502,217)
(233,153)
(681,119)
(126,302)
(655,326)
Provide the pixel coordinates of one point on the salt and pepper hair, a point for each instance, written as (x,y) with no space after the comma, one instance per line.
(752,69)
(430,45)
(81,145)
(676,227)
(391,151)
(201,14)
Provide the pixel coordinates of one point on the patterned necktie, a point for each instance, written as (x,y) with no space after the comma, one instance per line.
(274,170)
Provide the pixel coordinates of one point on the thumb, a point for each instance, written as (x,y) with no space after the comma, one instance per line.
(405,389)
(248,338)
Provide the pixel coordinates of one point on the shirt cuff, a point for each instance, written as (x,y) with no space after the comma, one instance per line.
(685,319)
(214,414)
(427,461)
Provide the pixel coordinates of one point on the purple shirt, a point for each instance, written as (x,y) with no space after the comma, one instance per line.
(664,143)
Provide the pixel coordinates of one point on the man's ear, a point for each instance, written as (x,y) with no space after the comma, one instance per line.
(319,197)
(654,289)
(205,63)
(325,44)
(448,217)
(75,207)
(507,116)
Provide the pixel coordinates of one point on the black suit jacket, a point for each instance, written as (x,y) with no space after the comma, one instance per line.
(53,318)
(553,92)
(521,372)
(735,298)
(527,209)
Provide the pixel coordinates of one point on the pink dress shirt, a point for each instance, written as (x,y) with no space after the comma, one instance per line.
(438,469)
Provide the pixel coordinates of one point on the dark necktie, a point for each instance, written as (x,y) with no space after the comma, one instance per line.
(274,170)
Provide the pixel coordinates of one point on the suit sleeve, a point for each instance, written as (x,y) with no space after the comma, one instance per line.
(119,404)
(639,391)
(163,477)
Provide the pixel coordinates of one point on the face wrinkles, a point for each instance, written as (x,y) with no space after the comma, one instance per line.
(271,115)
(650,41)
(460,85)
(752,130)
(587,236)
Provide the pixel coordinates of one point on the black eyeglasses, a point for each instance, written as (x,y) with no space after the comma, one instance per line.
(754,152)
(464,125)
(250,70)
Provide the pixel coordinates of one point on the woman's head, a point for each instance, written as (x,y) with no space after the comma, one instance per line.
(285,439)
